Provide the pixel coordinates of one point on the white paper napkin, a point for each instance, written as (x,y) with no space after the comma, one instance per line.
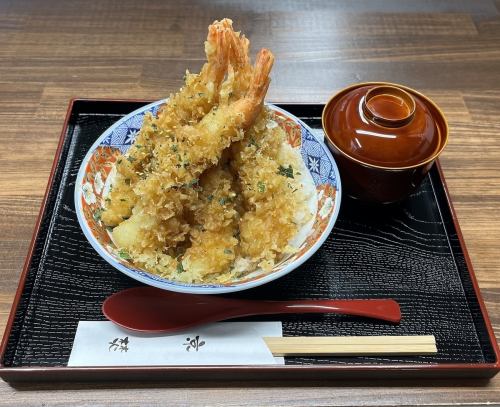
(102,343)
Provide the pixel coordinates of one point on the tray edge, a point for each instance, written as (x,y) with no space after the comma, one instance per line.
(470,269)
(36,230)
(273,373)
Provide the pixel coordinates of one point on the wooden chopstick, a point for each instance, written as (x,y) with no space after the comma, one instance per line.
(352,345)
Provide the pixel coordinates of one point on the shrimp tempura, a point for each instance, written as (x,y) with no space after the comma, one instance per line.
(162,177)
(213,241)
(190,104)
(269,172)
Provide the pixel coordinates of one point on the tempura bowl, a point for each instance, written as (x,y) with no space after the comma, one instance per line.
(98,164)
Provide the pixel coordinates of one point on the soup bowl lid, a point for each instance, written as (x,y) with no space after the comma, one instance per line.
(385,125)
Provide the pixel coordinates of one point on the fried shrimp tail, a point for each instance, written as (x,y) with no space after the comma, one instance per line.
(240,69)
(254,99)
(226,124)
(216,49)
(201,91)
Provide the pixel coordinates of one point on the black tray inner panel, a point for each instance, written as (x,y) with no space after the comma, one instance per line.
(408,252)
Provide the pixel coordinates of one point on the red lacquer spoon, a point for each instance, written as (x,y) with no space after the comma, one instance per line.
(149,309)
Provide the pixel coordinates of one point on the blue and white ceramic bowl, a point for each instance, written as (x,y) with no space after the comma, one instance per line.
(100,159)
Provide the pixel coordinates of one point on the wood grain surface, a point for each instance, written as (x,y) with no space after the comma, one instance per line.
(52,51)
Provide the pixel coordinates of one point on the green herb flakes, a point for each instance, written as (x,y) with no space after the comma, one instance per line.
(252,142)
(124,254)
(286,172)
(98,214)
(261,186)
(193,183)
(180,267)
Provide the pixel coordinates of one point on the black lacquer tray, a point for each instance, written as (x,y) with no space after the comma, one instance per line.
(412,252)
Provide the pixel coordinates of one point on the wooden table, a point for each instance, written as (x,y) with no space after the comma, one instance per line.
(52,51)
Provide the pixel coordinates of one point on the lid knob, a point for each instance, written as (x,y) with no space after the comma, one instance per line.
(388,106)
